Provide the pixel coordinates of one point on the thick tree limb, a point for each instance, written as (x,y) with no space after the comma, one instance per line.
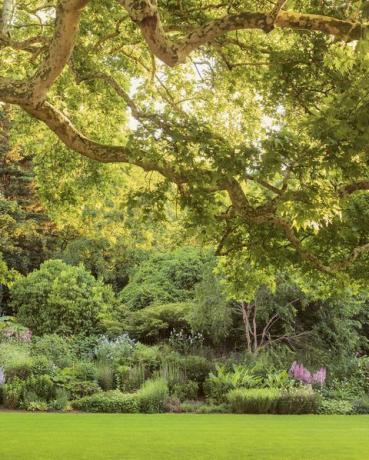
(146,15)
(6,17)
(60,49)
(34,90)
(72,138)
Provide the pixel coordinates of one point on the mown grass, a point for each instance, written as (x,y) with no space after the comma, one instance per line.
(31,436)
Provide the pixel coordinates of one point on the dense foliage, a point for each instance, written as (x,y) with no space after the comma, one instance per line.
(60,298)
(200,221)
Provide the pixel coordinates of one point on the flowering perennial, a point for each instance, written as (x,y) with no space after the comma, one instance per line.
(300,373)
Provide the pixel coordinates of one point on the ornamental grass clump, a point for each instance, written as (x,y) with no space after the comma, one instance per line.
(302,400)
(153,395)
(253,400)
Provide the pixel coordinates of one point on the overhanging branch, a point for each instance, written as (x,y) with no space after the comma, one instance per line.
(146,15)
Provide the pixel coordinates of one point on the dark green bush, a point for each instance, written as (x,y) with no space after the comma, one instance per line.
(111,401)
(152,396)
(21,370)
(2,391)
(147,356)
(41,365)
(196,368)
(54,347)
(186,391)
(216,390)
(59,298)
(79,389)
(61,400)
(361,405)
(165,278)
(85,370)
(157,321)
(40,385)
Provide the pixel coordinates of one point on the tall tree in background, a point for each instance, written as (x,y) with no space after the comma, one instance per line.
(26,232)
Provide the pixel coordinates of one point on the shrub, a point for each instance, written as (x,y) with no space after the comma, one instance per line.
(41,365)
(253,401)
(173,404)
(21,370)
(136,377)
(196,368)
(83,347)
(15,360)
(59,298)
(361,406)
(186,343)
(343,389)
(12,394)
(85,370)
(37,406)
(57,349)
(78,389)
(111,401)
(40,385)
(117,350)
(149,357)
(219,383)
(165,277)
(186,391)
(201,408)
(274,401)
(157,321)
(152,396)
(334,406)
(2,388)
(61,400)
(105,376)
(298,401)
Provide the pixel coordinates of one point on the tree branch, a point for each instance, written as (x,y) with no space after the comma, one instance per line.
(146,15)
(72,138)
(60,49)
(354,187)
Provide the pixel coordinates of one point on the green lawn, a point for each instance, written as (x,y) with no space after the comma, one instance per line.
(28,436)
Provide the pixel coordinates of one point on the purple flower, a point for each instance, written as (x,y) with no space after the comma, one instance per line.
(300,373)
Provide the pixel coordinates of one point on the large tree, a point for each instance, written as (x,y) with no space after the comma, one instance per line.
(255,111)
